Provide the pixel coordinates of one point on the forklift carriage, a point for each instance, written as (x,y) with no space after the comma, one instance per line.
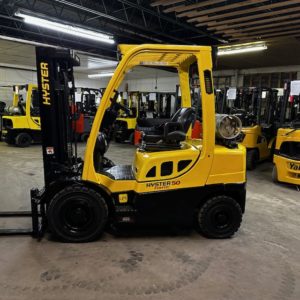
(174,180)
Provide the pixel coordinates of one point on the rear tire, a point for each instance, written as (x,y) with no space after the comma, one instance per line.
(252,159)
(220,217)
(275,174)
(77,214)
(23,140)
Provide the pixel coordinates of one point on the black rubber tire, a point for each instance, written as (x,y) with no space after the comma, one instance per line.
(252,159)
(77,214)
(219,217)
(23,140)
(275,174)
(84,137)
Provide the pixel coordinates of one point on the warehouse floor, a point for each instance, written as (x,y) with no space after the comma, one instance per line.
(261,262)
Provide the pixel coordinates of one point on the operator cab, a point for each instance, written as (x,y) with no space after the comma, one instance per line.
(164,138)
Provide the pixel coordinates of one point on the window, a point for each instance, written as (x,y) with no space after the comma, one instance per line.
(151,172)
(272,80)
(183,164)
(290,149)
(166,168)
(35,108)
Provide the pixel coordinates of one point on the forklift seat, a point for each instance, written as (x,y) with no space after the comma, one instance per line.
(173,132)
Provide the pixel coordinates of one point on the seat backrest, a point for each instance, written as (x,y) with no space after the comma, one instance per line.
(185,116)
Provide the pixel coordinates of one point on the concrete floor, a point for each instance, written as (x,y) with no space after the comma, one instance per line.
(261,262)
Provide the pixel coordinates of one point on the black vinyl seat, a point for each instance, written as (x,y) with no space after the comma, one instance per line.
(173,132)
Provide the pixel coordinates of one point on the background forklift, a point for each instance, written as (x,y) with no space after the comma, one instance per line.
(172,181)
(256,109)
(86,109)
(126,121)
(21,122)
(2,113)
(287,149)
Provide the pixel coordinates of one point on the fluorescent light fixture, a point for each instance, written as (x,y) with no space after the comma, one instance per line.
(109,74)
(68,29)
(242,48)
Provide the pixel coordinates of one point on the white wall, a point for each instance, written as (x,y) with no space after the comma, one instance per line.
(164,84)
(16,76)
(12,77)
(82,80)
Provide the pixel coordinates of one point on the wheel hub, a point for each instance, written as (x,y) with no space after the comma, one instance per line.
(77,216)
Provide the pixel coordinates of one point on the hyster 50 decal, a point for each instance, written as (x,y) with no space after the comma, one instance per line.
(45,83)
(162,185)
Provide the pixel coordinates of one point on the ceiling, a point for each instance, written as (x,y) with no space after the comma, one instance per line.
(280,52)
(19,55)
(129,21)
(206,22)
(238,20)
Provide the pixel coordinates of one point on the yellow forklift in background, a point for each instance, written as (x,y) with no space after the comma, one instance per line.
(287,149)
(173,180)
(21,123)
(126,121)
(256,109)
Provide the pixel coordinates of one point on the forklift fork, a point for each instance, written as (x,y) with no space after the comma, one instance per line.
(37,215)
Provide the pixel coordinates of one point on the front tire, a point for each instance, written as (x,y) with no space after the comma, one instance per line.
(275,174)
(23,140)
(77,214)
(219,217)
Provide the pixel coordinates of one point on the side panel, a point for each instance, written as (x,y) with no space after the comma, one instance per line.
(229,165)
(288,170)
(18,122)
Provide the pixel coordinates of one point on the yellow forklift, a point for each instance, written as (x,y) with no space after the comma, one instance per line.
(173,180)
(256,108)
(287,149)
(2,112)
(21,122)
(126,121)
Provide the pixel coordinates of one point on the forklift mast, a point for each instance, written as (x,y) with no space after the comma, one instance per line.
(289,108)
(56,96)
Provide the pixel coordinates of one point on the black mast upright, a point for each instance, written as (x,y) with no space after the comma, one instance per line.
(56,99)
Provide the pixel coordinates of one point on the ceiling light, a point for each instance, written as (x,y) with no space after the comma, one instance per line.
(68,29)
(109,74)
(242,48)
